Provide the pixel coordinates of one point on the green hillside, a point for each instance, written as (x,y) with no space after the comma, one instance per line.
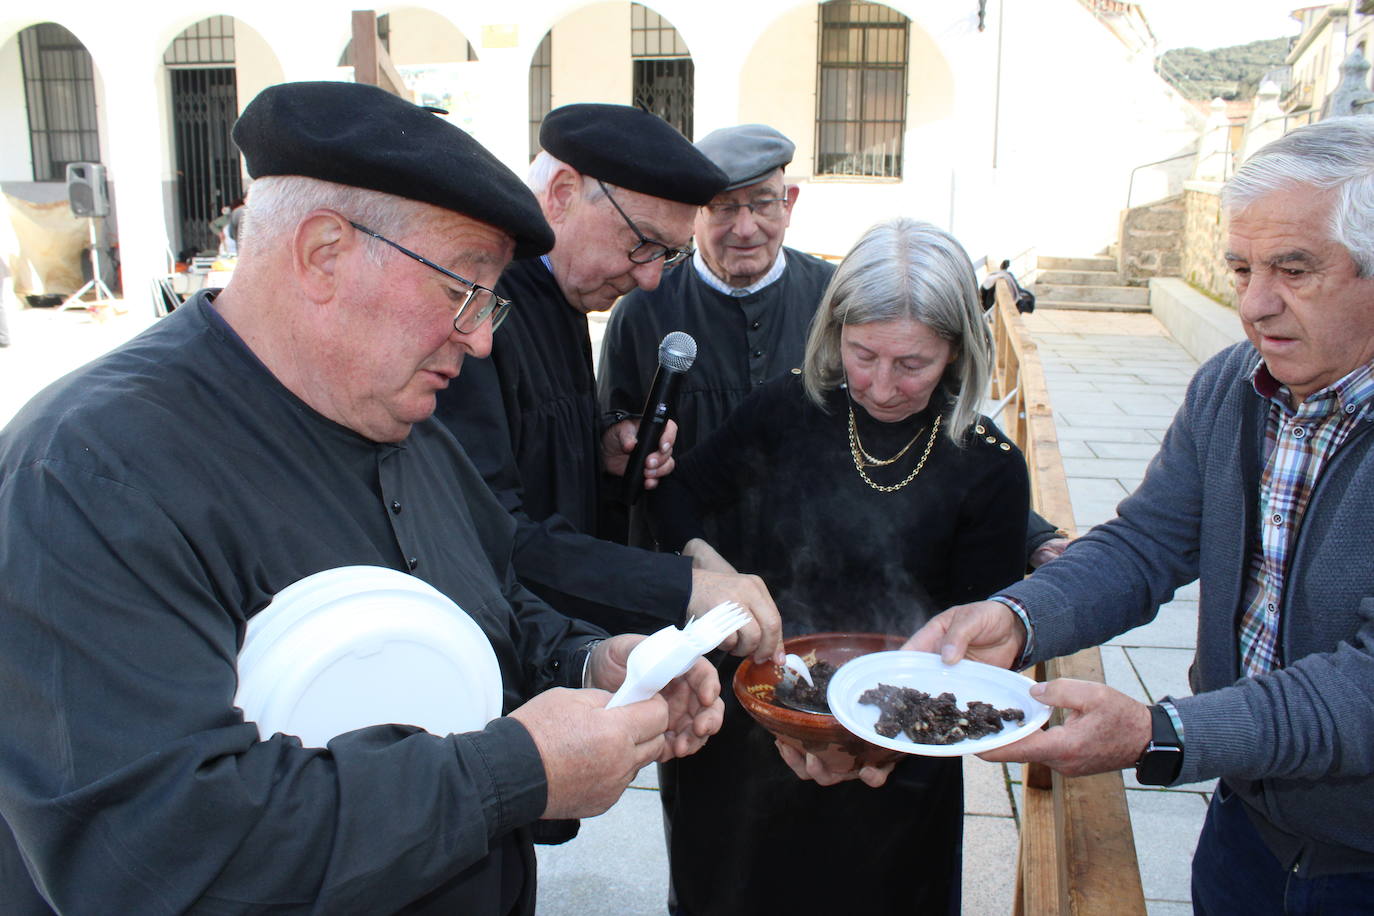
(1230,73)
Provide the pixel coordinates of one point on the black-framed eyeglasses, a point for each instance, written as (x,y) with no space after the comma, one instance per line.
(648,250)
(480,302)
(768,208)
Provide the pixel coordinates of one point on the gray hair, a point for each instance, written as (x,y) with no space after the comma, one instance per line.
(277,203)
(546,165)
(903,268)
(1337,153)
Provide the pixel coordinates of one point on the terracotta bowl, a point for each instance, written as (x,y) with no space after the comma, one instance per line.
(838,748)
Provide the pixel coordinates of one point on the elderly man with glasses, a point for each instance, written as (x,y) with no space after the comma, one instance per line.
(156,501)
(620,187)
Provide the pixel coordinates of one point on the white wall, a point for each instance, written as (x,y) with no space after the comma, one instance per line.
(1071,114)
(421,36)
(777,85)
(256,64)
(1077,114)
(16,155)
(591,55)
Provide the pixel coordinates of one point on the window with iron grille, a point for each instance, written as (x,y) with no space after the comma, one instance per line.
(59,90)
(663,74)
(861,89)
(209,42)
(541,89)
(204,105)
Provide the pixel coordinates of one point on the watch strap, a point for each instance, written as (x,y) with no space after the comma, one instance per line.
(1160,763)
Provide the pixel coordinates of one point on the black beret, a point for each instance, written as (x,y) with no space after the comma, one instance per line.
(748,153)
(633,149)
(363,136)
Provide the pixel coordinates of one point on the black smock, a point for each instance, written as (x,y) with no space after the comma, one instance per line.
(742,342)
(153,502)
(745,834)
(528,418)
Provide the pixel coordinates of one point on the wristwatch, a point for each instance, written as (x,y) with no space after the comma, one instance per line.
(1163,756)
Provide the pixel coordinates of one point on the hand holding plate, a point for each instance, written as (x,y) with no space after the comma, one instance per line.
(1103,730)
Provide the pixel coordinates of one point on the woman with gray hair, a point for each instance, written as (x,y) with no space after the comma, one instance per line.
(874,496)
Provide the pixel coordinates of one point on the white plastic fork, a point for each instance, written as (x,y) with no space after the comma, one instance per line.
(798,667)
(670,652)
(711,629)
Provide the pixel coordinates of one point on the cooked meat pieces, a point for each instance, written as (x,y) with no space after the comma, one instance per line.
(821,673)
(937,720)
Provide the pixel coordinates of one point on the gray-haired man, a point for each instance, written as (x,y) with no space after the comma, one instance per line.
(1261,490)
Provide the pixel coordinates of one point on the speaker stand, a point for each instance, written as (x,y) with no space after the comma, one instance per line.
(96,283)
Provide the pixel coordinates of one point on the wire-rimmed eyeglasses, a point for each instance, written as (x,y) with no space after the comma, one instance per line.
(769,208)
(648,250)
(480,302)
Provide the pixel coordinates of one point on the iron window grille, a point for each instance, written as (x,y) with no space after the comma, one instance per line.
(207,43)
(663,72)
(861,89)
(59,92)
(204,105)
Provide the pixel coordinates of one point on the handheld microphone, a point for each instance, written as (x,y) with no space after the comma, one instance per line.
(676,354)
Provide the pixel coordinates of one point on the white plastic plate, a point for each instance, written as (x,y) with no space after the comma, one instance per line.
(364,645)
(967,680)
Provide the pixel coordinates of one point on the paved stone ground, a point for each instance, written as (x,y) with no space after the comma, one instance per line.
(1114,381)
(45,344)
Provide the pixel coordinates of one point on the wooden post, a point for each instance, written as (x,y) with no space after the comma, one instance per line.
(371,62)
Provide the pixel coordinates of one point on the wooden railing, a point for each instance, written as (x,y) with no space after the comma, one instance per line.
(1077,854)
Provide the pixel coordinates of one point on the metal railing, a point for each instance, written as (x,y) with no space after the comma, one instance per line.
(1077,851)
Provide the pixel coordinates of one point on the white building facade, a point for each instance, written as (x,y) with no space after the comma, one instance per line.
(1013,123)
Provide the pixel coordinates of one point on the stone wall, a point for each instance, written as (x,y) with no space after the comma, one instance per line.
(1204,241)
(1151,241)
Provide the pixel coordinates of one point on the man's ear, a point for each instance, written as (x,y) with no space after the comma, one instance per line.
(318,245)
(562,195)
(791,193)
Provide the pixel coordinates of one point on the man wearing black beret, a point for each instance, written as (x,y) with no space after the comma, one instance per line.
(154,501)
(619,186)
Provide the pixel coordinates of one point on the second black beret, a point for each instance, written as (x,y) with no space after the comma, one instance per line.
(633,149)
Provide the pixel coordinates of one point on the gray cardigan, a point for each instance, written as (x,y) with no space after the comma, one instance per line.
(1296,744)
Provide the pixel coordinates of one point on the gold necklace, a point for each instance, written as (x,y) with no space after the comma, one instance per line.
(869,459)
(856,450)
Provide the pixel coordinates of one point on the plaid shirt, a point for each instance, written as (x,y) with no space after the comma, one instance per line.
(1298,443)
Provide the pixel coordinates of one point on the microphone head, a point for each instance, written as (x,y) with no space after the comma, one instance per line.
(677,352)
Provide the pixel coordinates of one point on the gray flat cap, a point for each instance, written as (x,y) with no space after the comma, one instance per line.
(747,153)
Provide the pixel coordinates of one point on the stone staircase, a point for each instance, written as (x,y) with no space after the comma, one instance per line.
(1086,284)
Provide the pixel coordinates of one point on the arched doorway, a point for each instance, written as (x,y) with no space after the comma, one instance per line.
(200,66)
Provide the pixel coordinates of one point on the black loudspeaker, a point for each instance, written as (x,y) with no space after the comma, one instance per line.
(86,189)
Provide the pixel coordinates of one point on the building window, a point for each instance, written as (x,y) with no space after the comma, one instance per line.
(861,89)
(209,42)
(541,89)
(663,70)
(204,106)
(59,89)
